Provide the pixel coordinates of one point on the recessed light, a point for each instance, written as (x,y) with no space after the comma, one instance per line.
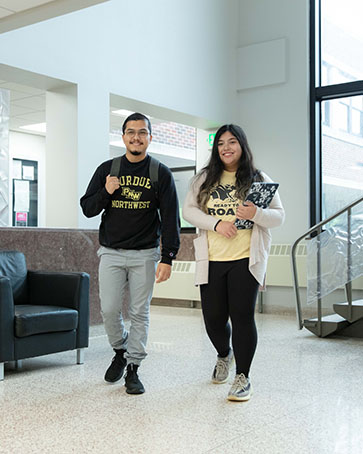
(36,127)
(122,112)
(126,113)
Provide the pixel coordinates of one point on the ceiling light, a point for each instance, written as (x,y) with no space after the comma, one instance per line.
(36,127)
(126,113)
(122,112)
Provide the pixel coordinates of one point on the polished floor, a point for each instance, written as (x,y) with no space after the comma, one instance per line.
(308,396)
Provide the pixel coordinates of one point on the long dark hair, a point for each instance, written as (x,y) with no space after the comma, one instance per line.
(245,174)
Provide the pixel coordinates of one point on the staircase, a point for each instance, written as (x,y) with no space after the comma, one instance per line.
(340,323)
(347,319)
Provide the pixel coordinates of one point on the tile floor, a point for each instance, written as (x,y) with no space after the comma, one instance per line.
(308,396)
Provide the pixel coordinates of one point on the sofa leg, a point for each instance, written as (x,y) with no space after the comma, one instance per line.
(80,355)
(2,371)
(18,364)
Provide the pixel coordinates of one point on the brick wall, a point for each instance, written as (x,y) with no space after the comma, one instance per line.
(175,134)
(168,133)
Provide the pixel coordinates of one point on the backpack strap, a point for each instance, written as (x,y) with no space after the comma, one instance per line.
(153,172)
(154,175)
(115,166)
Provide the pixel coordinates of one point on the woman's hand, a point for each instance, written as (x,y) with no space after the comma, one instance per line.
(227,229)
(246,211)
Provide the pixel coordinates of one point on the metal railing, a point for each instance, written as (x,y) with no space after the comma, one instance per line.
(316,231)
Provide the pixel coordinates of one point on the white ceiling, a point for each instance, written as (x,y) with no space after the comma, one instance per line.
(27,106)
(8,7)
(20,13)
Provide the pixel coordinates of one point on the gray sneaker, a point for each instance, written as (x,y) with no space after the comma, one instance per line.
(241,389)
(221,369)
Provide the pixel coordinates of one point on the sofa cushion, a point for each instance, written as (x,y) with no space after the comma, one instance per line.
(13,266)
(31,319)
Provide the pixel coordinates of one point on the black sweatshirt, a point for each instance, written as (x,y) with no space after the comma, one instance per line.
(130,219)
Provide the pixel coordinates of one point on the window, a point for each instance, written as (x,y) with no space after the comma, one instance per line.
(341,40)
(182,177)
(345,114)
(336,105)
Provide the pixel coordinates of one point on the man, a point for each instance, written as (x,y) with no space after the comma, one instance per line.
(129,236)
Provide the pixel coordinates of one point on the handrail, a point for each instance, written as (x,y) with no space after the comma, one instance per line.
(317,228)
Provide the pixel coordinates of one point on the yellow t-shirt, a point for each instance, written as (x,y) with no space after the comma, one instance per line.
(222,204)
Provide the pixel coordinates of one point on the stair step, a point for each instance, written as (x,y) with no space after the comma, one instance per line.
(343,310)
(329,324)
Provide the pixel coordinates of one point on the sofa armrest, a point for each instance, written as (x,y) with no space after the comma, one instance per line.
(7,313)
(66,289)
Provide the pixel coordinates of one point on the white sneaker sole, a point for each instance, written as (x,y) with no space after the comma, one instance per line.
(239,399)
(234,398)
(218,382)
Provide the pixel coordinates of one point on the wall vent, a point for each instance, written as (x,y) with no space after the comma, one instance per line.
(285,249)
(181,284)
(279,272)
(183,267)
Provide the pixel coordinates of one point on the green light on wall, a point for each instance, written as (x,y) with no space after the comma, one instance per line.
(211,139)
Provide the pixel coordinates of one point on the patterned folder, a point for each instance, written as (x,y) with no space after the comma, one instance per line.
(261,194)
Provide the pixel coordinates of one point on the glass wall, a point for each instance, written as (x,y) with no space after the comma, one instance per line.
(341,41)
(342,153)
(336,105)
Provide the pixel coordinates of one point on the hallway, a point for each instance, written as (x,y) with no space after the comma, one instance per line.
(308,396)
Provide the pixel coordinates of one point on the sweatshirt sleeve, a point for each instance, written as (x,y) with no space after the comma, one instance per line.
(96,197)
(273,215)
(169,213)
(191,211)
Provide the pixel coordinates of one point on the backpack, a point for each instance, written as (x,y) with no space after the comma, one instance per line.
(153,172)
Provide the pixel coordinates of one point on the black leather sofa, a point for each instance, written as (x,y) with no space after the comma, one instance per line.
(40,312)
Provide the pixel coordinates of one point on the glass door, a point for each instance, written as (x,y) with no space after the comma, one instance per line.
(25,193)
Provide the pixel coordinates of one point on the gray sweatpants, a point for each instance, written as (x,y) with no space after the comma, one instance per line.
(135,268)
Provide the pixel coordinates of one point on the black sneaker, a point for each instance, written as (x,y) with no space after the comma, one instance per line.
(117,367)
(132,382)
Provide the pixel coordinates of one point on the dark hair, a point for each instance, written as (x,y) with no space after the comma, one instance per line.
(245,174)
(134,117)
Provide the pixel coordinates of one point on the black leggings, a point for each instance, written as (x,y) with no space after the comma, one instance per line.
(231,292)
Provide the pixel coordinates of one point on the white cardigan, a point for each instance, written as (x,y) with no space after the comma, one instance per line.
(264,219)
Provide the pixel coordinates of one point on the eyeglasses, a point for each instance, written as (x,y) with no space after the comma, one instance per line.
(142,133)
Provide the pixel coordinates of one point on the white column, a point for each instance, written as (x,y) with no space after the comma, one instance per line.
(77,142)
(5,218)
(61,158)
(93,141)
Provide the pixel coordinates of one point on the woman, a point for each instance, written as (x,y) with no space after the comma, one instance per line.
(231,252)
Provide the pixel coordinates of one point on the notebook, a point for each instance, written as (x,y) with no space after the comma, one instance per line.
(261,194)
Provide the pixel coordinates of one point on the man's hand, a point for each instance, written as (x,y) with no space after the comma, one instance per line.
(163,272)
(227,229)
(246,211)
(112,183)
